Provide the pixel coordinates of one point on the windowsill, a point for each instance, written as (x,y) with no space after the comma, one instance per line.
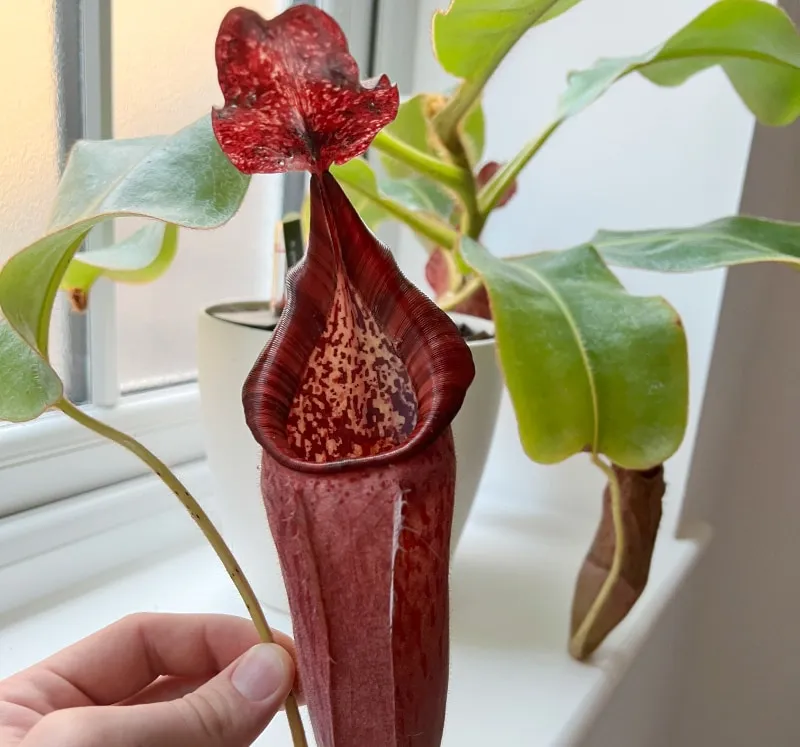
(55,458)
(512,583)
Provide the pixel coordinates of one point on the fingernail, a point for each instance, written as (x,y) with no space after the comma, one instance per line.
(260,672)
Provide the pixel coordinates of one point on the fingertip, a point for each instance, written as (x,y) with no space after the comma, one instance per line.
(264,672)
(285,641)
(287,644)
(288,663)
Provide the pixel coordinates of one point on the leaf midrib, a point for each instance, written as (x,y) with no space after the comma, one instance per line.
(411,218)
(661,58)
(725,52)
(584,353)
(667,235)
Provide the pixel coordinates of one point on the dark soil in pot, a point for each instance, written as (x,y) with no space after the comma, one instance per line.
(470,335)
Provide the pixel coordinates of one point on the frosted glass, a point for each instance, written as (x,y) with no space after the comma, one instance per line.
(164,77)
(28,132)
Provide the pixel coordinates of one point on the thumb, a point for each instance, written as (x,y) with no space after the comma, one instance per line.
(230,710)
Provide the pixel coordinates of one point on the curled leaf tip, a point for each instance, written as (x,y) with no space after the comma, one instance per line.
(641,494)
(293,99)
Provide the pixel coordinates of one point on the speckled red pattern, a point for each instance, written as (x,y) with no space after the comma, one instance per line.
(365,555)
(343,255)
(351,400)
(363,540)
(356,397)
(293,100)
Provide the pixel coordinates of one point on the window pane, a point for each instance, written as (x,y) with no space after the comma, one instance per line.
(29,145)
(164,77)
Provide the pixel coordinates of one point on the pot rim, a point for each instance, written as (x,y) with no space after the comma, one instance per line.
(233,307)
(236,306)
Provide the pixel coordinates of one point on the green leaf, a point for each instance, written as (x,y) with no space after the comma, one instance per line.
(374,205)
(721,243)
(305,216)
(140,258)
(359,183)
(472,37)
(184,179)
(413,126)
(418,193)
(28,386)
(588,366)
(755,43)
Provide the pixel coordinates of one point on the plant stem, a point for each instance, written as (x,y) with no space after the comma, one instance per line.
(447,120)
(456,177)
(496,187)
(578,642)
(440,171)
(472,222)
(449,300)
(438,232)
(206,527)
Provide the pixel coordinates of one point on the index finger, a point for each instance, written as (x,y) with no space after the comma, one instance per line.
(120,660)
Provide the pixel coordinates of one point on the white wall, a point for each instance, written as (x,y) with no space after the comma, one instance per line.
(740,668)
(721,669)
(740,672)
(641,157)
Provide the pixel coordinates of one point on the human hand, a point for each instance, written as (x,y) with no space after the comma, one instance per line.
(151,680)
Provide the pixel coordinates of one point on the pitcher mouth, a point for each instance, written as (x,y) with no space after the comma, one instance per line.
(438,363)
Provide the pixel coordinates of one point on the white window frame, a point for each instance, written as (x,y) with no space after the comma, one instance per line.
(54,458)
(61,484)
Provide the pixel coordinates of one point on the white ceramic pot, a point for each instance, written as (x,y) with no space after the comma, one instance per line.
(230,338)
